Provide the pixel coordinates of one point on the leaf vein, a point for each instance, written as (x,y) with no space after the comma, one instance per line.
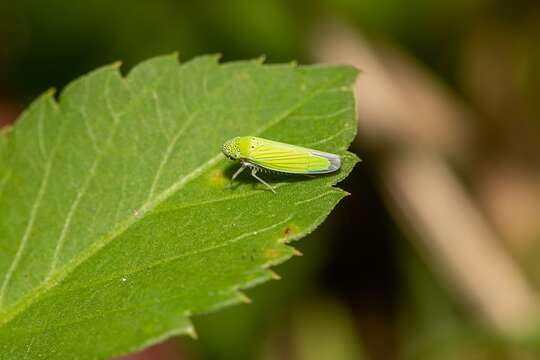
(99,244)
(40,134)
(89,130)
(26,234)
(207,202)
(187,254)
(87,181)
(178,135)
(319,196)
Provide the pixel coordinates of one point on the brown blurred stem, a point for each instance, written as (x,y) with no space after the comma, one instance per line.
(415,124)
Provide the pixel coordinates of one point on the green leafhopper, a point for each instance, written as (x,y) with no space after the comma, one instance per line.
(258,154)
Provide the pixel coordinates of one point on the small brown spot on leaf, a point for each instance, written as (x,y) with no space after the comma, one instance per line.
(217,177)
(289,232)
(273,253)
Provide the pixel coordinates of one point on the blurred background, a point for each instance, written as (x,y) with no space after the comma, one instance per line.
(436,255)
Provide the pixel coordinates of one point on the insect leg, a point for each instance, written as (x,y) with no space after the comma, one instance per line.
(238,171)
(244,165)
(254,174)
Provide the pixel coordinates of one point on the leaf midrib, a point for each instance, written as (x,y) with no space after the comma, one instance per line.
(173,258)
(33,296)
(45,178)
(208,248)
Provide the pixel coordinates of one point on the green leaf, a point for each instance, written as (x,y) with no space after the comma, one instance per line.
(116,220)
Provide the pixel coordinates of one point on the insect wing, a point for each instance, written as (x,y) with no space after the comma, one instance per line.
(293,159)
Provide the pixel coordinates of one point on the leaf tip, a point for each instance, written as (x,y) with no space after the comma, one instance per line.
(244,298)
(354,158)
(217,57)
(274,275)
(261,59)
(52,95)
(191,332)
(297,252)
(353,70)
(50,92)
(116,65)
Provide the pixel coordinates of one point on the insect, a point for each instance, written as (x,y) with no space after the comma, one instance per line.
(261,154)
